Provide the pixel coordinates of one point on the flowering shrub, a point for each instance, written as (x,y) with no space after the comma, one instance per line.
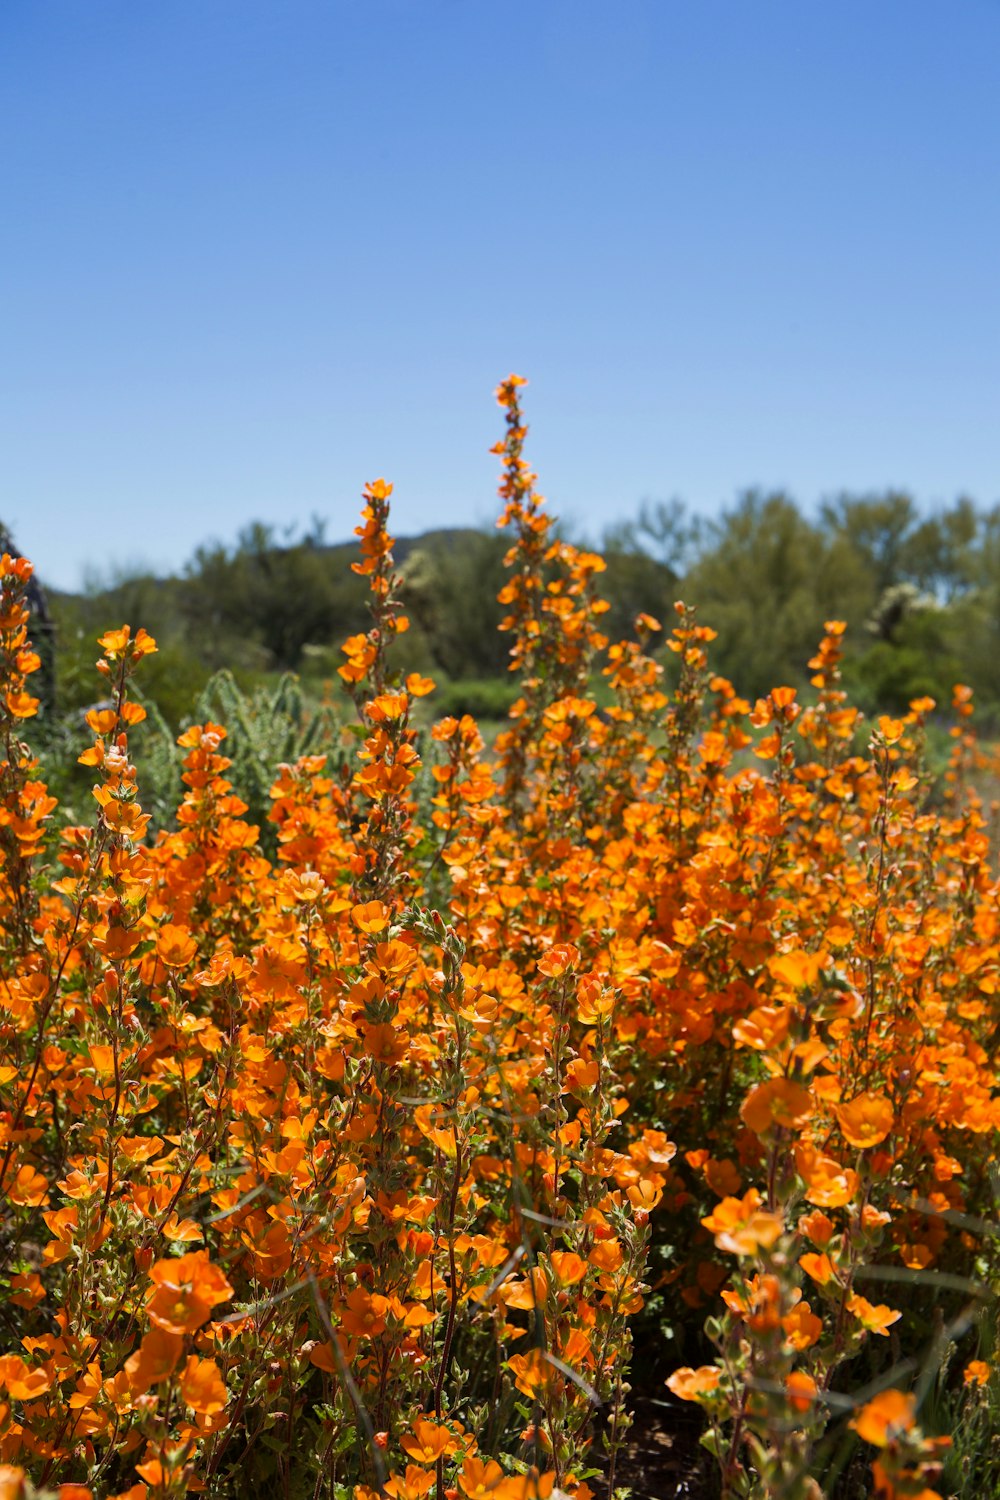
(340,1172)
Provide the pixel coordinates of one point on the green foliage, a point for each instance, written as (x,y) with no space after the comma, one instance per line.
(269,724)
(265,728)
(59,738)
(273,598)
(920,594)
(450,586)
(662,530)
(633,585)
(768,581)
(920,658)
(267,605)
(971,1417)
(177,672)
(487,698)
(159,764)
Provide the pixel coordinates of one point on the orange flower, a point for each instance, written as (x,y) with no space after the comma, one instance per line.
(28,1289)
(11,1482)
(531,1372)
(819,1267)
(393,959)
(155,1360)
(103,1060)
(186,1290)
(364,1313)
(581,1076)
(21,705)
(118,942)
(741,1226)
(143,644)
(155,1472)
(29,1188)
(798,970)
(384,1042)
(530,1486)
(761,1307)
(816,1227)
(976,1372)
(202,1387)
(370,917)
(569,1267)
(88,1387)
(113,642)
(140,1148)
(828,1184)
(722,1177)
(82,1188)
(694,1385)
(182,1231)
(645,1195)
(428,1441)
(875,1319)
(866,1120)
(324,1358)
(528,1294)
(802,1327)
(558,960)
(175,946)
(801,1390)
(888,1415)
(778,1102)
(891,730)
(595,1001)
(387,706)
(411,1486)
(23,1383)
(479,1479)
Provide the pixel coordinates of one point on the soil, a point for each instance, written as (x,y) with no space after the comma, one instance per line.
(661,1457)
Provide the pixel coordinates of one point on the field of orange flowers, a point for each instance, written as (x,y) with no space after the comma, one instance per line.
(354,1172)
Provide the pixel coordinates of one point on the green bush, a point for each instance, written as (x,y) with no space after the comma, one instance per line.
(482,698)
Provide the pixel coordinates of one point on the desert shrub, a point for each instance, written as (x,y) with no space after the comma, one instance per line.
(481,698)
(264,729)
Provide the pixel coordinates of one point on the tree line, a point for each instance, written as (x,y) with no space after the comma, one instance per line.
(920,593)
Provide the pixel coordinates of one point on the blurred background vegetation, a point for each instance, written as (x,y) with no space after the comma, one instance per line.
(920,593)
(250,633)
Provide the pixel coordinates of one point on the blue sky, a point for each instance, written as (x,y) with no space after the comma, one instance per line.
(255,252)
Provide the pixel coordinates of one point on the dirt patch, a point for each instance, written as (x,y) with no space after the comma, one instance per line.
(661,1457)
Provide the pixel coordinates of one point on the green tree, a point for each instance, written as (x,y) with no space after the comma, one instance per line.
(766,581)
(450,585)
(878,528)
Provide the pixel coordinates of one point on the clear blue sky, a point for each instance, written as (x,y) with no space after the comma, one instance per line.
(256,251)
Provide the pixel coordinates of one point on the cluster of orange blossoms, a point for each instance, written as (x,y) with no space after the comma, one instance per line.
(347,1173)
